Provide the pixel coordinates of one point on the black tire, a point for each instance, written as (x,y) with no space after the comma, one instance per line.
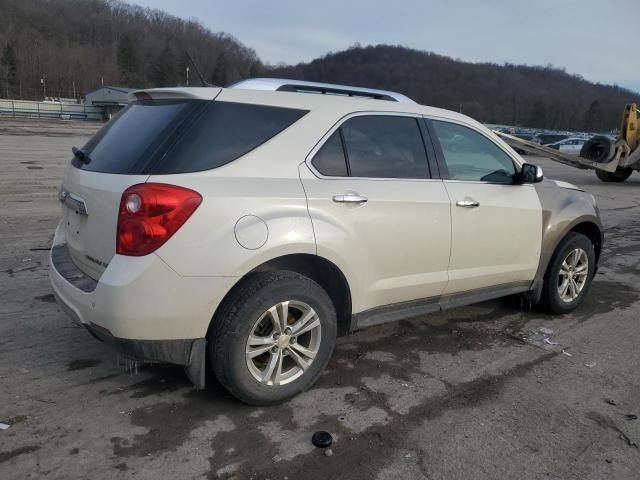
(551,300)
(236,319)
(620,175)
(599,149)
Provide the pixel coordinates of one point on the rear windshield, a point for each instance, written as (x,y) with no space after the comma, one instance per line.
(179,136)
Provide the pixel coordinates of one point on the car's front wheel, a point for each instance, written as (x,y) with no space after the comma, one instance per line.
(569,274)
(272,337)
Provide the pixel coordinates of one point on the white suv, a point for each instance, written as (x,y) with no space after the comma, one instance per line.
(247,227)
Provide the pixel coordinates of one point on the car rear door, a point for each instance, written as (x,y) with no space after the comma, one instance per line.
(376,211)
(496,224)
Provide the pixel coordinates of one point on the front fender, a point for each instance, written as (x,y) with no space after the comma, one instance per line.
(563,209)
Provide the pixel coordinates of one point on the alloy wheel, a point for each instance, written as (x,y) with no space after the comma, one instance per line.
(572,277)
(283,343)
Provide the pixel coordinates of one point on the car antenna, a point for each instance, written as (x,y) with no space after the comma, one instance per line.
(195,67)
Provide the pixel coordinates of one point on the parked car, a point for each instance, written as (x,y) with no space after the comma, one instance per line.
(571,145)
(548,138)
(249,226)
(527,137)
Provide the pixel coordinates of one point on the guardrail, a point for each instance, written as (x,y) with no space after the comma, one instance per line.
(64,111)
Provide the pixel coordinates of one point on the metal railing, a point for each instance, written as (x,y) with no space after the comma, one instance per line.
(63,111)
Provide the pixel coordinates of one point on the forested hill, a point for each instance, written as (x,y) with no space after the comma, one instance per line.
(505,94)
(87,42)
(77,45)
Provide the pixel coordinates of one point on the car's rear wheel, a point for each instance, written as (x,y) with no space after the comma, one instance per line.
(620,175)
(569,274)
(272,337)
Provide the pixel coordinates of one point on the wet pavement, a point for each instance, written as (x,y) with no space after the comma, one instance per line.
(484,392)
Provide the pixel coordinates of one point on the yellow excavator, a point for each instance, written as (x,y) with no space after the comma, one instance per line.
(613,160)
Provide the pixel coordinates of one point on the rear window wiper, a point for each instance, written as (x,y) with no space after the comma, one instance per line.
(80,155)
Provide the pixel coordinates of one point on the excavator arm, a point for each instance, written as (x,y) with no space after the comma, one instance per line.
(599,153)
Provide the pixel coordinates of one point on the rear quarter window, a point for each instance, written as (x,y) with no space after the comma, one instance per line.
(224,132)
(129,141)
(180,136)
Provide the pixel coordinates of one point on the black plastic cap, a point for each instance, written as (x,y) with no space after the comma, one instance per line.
(322,439)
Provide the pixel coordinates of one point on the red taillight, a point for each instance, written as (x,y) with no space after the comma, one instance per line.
(150,213)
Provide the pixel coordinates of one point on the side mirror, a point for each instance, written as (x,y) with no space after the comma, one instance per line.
(530,173)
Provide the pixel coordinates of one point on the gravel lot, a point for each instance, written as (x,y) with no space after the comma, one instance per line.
(473,393)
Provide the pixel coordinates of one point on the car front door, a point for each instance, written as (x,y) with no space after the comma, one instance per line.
(496,223)
(376,212)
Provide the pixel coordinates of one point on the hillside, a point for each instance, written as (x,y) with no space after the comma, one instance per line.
(82,43)
(511,94)
(76,45)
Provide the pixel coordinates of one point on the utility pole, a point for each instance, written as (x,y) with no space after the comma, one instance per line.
(73,83)
(187,76)
(43,81)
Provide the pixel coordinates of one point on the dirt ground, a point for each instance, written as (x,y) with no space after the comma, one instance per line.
(473,393)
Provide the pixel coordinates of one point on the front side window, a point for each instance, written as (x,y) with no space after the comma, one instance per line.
(374,146)
(471,156)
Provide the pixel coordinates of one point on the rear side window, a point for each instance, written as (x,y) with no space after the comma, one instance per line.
(330,159)
(168,136)
(377,146)
(224,132)
(131,138)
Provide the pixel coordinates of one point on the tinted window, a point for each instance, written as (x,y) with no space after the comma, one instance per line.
(162,137)
(330,159)
(224,132)
(470,155)
(381,146)
(131,138)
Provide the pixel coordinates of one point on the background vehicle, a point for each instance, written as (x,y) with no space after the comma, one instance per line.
(571,145)
(549,138)
(524,136)
(613,159)
(250,226)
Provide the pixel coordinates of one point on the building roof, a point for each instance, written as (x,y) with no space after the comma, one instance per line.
(117,89)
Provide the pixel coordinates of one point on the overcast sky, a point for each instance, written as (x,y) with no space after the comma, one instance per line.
(596,39)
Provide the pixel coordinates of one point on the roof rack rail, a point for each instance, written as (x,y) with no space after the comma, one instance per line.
(287,85)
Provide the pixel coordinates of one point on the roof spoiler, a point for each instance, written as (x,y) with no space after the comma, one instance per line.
(201,93)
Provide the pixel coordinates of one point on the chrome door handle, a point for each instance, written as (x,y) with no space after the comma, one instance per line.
(467,203)
(350,198)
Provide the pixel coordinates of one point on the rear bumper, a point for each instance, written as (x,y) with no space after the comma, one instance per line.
(189,353)
(141,307)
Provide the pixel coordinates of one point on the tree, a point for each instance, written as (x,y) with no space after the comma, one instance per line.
(538,117)
(163,72)
(220,75)
(9,69)
(593,121)
(127,61)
